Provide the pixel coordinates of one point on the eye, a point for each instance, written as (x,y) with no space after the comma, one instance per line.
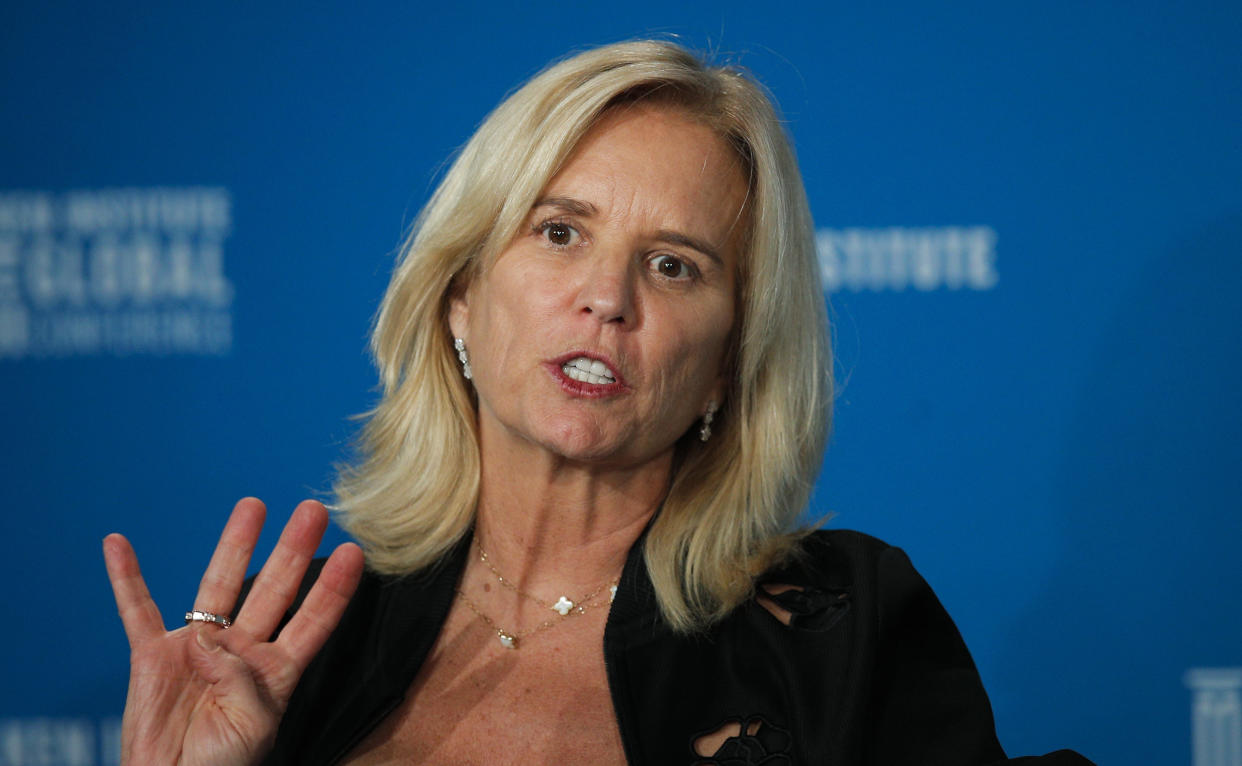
(671,267)
(558,234)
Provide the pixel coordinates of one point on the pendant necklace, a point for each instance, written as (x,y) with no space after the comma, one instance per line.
(563,606)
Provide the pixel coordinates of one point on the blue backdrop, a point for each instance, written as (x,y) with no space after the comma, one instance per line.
(1031,223)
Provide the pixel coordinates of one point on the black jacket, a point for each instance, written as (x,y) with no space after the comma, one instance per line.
(871,669)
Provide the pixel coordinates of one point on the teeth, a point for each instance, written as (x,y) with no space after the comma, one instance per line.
(586,370)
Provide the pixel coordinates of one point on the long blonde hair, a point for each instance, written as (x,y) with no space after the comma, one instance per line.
(734,502)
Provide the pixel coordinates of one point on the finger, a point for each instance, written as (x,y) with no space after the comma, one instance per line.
(320,612)
(138,612)
(217,591)
(277,583)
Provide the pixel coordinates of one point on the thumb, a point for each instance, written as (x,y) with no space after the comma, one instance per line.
(234,691)
(214,663)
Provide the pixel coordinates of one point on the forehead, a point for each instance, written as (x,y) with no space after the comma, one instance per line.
(657,165)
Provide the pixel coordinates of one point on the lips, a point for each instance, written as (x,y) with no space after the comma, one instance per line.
(588,374)
(587,370)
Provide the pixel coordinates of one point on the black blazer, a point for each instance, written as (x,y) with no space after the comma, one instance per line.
(871,669)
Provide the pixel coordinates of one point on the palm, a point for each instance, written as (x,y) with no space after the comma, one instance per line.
(202,694)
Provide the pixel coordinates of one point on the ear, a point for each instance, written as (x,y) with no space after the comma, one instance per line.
(715,396)
(459,314)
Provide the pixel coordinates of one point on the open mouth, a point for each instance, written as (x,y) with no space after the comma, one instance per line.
(586,370)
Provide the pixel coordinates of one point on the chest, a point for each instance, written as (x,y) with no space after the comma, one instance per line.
(475,701)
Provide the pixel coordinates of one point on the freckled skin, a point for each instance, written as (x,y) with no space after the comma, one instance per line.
(609,281)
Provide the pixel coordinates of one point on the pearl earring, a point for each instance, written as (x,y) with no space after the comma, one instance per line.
(705,430)
(463,357)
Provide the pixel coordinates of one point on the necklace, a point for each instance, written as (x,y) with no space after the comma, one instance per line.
(563,606)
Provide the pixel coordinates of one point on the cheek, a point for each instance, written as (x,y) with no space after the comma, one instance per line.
(506,324)
(716,324)
(714,347)
(697,357)
(521,297)
(711,359)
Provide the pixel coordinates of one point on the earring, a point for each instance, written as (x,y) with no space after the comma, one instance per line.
(705,430)
(463,357)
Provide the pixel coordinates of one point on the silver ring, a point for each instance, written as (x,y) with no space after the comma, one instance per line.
(197,616)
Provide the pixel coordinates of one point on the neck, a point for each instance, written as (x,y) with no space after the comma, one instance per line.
(546,522)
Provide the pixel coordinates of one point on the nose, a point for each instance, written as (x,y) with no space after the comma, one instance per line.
(607,292)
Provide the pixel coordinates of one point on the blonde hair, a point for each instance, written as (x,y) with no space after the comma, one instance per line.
(734,502)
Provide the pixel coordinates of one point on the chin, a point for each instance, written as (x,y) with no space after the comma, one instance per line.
(582,448)
(586,443)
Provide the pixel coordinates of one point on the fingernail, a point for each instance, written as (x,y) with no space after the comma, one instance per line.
(206,640)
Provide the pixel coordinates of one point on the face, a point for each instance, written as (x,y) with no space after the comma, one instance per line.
(599,334)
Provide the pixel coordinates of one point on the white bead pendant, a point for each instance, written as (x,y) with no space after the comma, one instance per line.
(506,640)
(563,606)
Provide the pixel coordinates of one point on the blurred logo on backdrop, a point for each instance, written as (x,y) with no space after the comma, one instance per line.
(1216,716)
(900,258)
(60,742)
(115,272)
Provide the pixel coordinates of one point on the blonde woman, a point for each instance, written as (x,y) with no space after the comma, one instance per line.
(606,388)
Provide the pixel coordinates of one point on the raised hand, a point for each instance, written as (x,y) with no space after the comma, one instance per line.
(203,694)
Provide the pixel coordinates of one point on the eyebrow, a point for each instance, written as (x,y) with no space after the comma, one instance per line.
(583,208)
(568,204)
(677,238)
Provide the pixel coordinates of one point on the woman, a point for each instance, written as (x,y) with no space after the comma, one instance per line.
(606,392)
